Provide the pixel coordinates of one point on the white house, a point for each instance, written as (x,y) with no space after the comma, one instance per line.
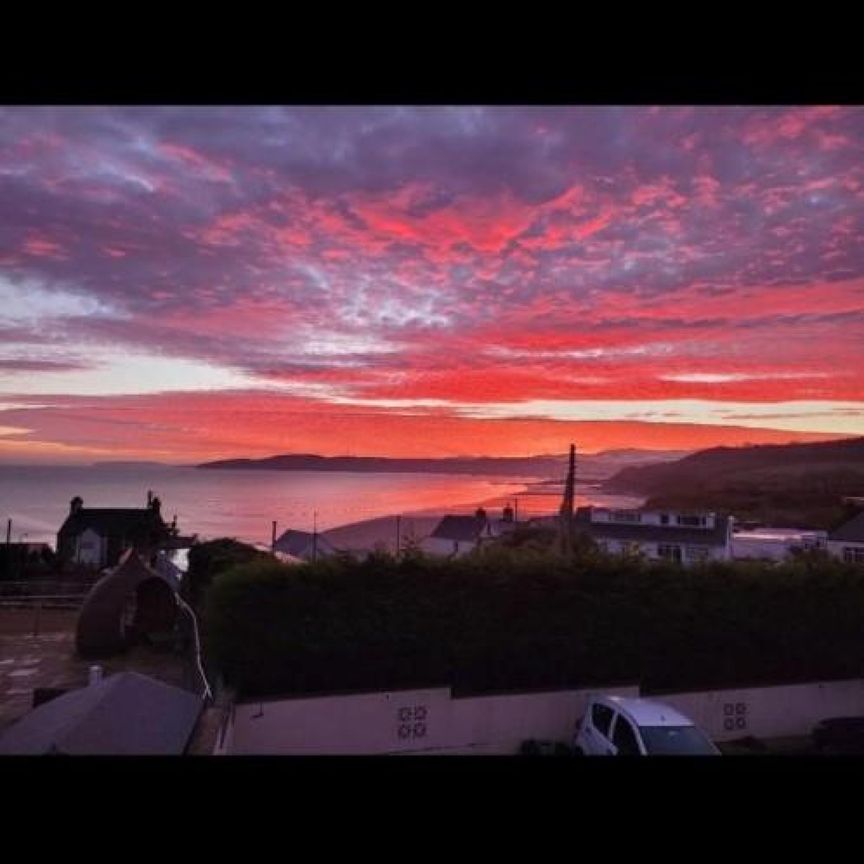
(684,537)
(847,541)
(458,535)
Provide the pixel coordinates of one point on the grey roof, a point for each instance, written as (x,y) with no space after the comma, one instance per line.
(298,543)
(851,531)
(637,532)
(460,528)
(114,521)
(124,715)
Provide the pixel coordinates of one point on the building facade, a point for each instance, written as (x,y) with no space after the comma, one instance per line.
(97,537)
(686,538)
(847,541)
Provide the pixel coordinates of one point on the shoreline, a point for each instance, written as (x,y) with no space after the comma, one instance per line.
(380,532)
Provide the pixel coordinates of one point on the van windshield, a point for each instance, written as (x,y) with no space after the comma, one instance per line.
(676,741)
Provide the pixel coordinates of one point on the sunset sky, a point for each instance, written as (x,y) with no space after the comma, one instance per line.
(182,283)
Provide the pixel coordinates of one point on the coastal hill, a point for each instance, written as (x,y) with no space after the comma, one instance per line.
(552,466)
(796,485)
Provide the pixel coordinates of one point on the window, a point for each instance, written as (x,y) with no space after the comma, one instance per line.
(625,516)
(671,553)
(664,518)
(676,741)
(601,718)
(853,554)
(698,553)
(624,738)
(691,521)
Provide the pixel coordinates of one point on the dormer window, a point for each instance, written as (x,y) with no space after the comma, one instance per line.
(692,521)
(625,516)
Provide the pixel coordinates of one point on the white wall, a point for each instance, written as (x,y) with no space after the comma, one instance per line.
(89,548)
(432,722)
(439,546)
(769,712)
(836,547)
(649,550)
(412,721)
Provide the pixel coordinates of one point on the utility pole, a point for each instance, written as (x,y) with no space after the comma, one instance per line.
(398,528)
(273,537)
(565,516)
(315,535)
(8,547)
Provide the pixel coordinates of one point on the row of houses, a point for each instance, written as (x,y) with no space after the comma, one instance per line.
(685,538)
(96,537)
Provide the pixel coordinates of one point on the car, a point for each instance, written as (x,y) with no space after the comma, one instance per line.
(839,735)
(622,726)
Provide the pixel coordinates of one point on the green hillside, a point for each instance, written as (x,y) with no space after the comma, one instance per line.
(794,485)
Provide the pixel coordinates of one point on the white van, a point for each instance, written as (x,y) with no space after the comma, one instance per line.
(619,726)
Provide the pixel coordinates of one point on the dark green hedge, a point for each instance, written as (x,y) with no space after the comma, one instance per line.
(525,619)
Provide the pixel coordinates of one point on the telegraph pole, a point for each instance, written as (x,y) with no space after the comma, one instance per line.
(398,528)
(315,535)
(566,512)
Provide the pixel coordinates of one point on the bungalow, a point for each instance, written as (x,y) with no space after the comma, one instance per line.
(458,535)
(683,537)
(847,541)
(302,544)
(97,537)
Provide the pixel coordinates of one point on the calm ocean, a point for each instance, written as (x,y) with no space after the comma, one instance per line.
(243,504)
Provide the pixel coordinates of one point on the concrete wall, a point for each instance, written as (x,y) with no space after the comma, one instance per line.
(432,722)
(412,721)
(769,712)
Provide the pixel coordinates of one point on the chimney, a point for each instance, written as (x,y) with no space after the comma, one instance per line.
(156,506)
(76,504)
(149,497)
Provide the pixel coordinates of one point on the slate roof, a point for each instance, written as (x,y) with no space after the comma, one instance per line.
(851,531)
(638,532)
(114,522)
(123,715)
(298,543)
(459,528)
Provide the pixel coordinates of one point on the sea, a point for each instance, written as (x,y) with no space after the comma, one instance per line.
(244,504)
